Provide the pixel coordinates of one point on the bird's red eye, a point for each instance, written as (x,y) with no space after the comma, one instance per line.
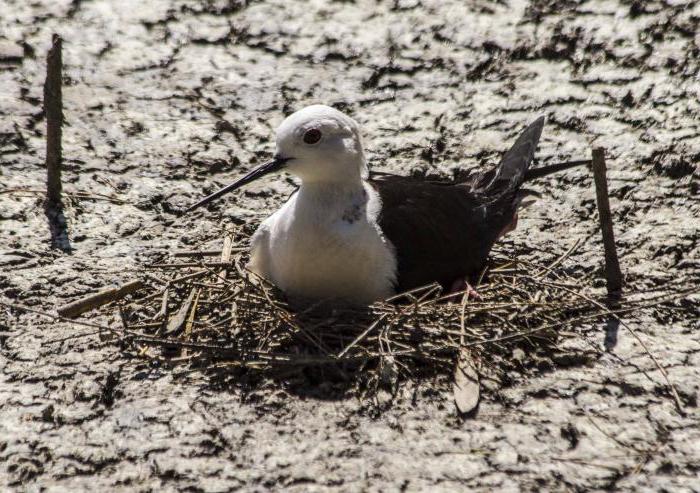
(312,136)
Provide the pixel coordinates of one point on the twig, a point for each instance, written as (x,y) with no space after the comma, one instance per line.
(188,264)
(193,313)
(99,299)
(164,312)
(158,341)
(524,333)
(77,195)
(533,173)
(361,336)
(53,316)
(557,262)
(190,319)
(205,253)
(177,280)
(584,462)
(674,392)
(74,336)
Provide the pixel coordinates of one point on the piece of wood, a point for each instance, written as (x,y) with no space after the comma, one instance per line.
(190,319)
(53,109)
(466,388)
(163,312)
(192,314)
(613,274)
(226,256)
(177,323)
(227,249)
(96,300)
(164,303)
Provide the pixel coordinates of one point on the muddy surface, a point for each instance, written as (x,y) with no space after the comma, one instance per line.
(167,100)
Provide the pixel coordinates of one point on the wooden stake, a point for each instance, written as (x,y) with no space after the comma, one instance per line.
(53,109)
(613,274)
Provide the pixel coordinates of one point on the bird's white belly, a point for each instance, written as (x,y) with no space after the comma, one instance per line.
(332,266)
(316,260)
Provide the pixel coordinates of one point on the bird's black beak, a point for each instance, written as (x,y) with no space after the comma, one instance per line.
(275,164)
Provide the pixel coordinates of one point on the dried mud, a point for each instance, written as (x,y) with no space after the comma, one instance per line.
(166,100)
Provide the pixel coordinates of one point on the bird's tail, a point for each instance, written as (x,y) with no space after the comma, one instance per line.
(515,163)
(514,168)
(511,172)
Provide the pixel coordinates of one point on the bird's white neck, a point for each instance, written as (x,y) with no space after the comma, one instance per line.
(334,200)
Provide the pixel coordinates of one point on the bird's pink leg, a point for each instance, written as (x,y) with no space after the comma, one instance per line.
(460,285)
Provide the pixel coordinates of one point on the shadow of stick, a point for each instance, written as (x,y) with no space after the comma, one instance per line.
(58,226)
(612,325)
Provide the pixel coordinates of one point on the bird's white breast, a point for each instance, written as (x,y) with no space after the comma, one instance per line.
(324,243)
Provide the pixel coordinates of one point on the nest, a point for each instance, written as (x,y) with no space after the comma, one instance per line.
(218,317)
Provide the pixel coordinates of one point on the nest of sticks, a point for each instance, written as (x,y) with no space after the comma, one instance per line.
(209,313)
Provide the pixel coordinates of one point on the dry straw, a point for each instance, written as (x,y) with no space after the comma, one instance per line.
(217,316)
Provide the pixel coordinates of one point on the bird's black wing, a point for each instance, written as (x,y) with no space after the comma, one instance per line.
(439,233)
(442,232)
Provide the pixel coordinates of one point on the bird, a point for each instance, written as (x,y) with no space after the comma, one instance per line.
(356,237)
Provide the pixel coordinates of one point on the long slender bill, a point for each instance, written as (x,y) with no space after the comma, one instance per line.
(264,169)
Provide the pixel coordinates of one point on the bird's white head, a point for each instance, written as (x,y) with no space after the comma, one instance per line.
(322,145)
(318,144)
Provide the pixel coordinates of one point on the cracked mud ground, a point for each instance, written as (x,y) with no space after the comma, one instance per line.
(167,100)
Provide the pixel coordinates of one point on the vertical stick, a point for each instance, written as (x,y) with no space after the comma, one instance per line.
(53,109)
(613,274)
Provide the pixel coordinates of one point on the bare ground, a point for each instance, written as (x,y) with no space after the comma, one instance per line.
(437,86)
